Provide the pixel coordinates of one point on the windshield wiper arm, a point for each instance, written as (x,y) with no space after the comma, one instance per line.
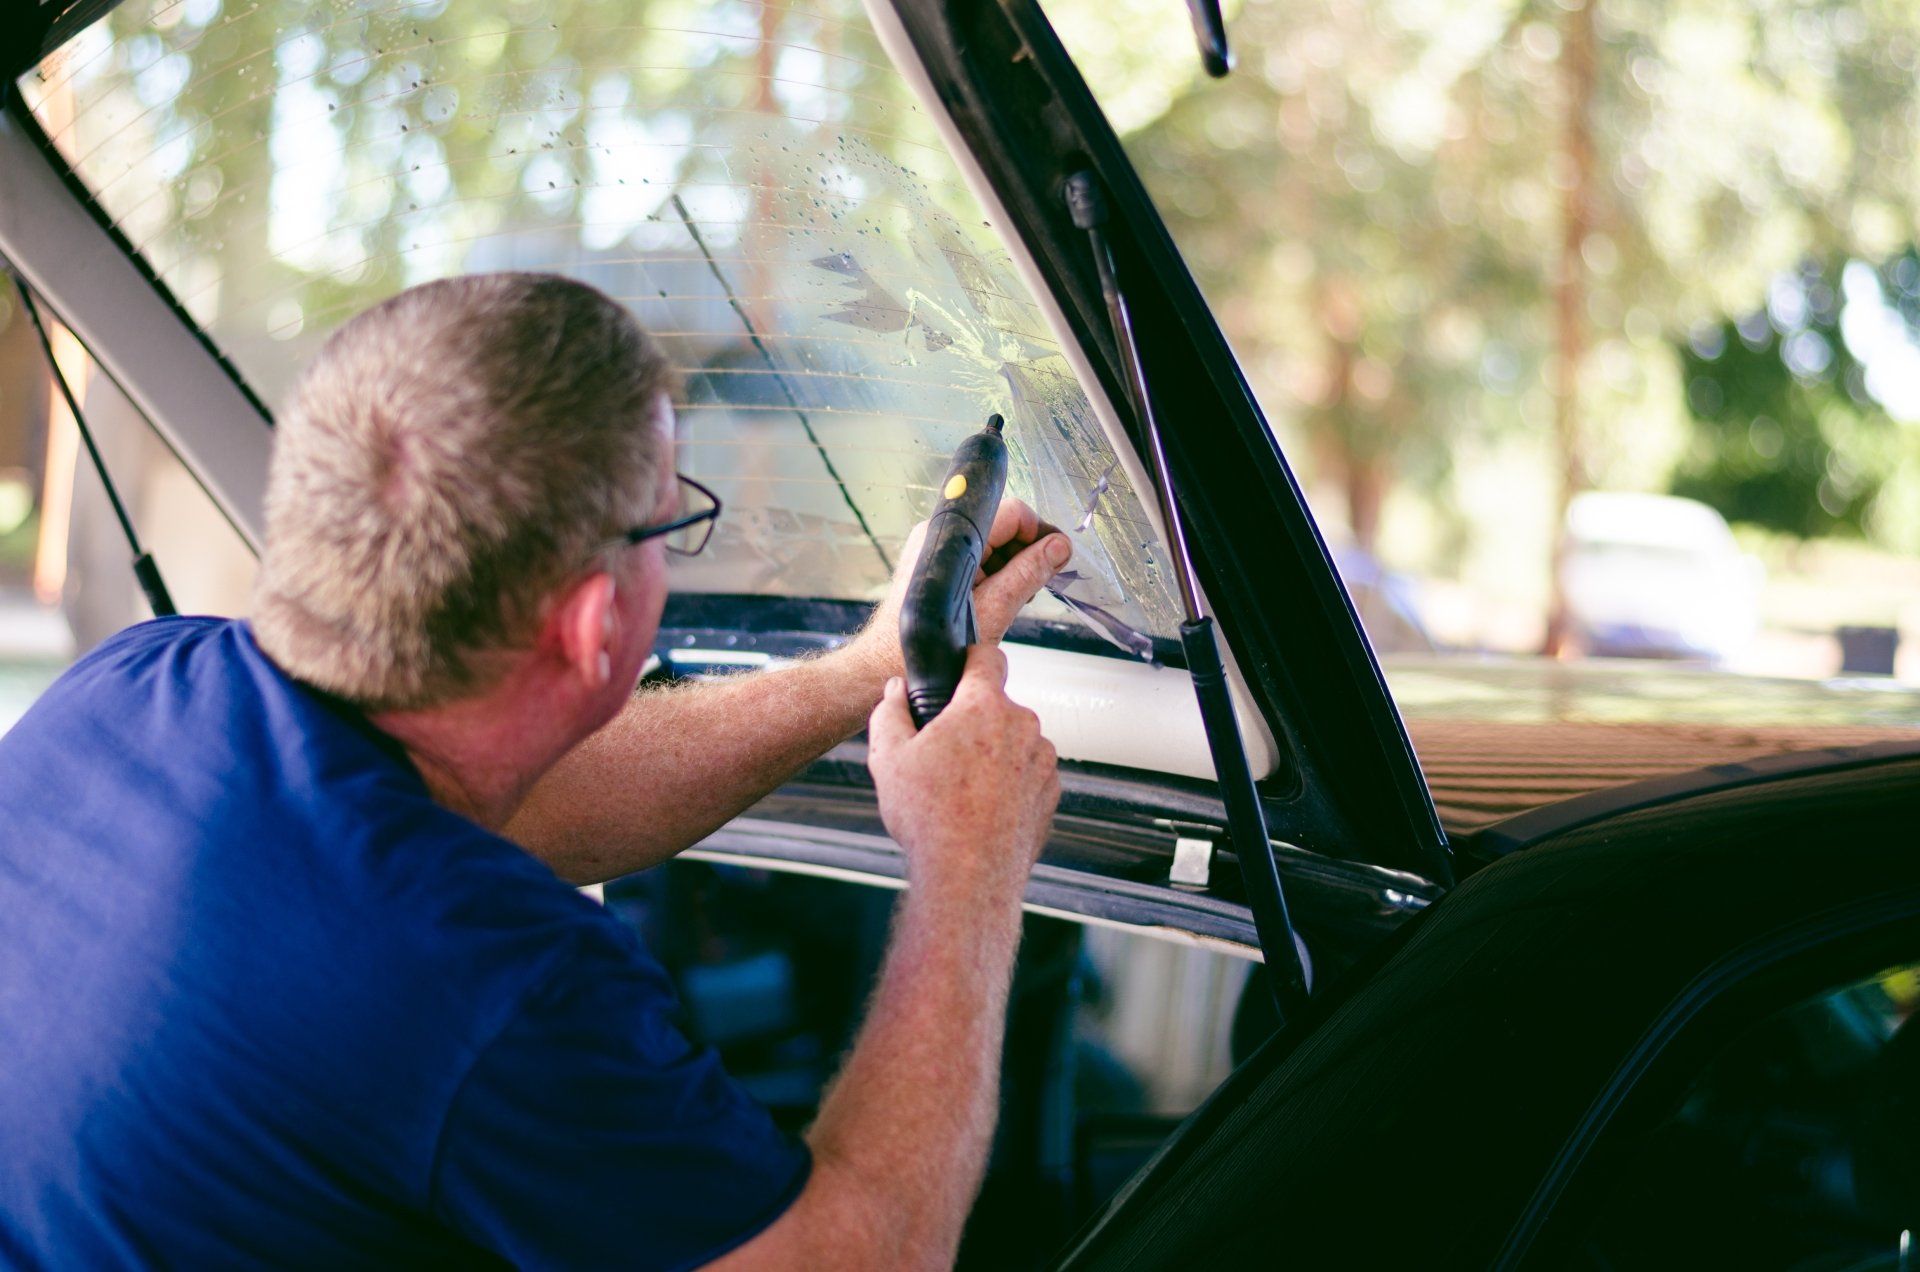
(1246,818)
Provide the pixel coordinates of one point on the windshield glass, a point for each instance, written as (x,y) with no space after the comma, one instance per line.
(756,182)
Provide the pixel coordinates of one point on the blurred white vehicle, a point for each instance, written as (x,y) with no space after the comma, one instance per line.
(1652,576)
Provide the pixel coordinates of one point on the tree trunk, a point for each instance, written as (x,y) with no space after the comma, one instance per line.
(1577,75)
(1366,480)
(1362,474)
(760,237)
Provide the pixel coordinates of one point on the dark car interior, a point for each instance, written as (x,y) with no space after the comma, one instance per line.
(1798,1147)
(774,971)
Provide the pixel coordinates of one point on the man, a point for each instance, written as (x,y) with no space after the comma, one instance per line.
(280,982)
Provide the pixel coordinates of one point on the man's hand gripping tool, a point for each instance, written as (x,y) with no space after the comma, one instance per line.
(936,619)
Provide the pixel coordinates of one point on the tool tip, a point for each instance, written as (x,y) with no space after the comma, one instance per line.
(996,422)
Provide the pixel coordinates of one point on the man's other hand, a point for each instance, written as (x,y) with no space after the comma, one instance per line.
(970,797)
(1023,555)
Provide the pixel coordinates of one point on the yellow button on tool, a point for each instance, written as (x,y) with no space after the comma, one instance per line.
(956,486)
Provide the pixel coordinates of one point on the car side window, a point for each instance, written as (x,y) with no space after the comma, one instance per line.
(1796,1146)
(1112,1037)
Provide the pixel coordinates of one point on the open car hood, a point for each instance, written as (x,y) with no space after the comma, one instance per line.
(201,342)
(1347,783)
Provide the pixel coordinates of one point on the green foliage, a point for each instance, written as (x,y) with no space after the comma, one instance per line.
(17,546)
(1375,203)
(1786,432)
(324,157)
(1373,200)
(1763,448)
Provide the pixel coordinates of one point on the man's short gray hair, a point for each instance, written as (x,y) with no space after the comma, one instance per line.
(451,457)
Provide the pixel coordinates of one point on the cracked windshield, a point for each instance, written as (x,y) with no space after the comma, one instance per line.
(1592,329)
(754,181)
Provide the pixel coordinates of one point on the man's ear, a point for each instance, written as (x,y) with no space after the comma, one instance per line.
(584,628)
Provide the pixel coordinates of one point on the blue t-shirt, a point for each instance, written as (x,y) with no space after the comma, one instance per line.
(263,1002)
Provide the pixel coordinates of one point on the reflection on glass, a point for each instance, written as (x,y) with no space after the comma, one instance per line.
(754,181)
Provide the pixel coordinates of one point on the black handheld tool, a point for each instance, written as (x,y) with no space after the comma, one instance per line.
(936,620)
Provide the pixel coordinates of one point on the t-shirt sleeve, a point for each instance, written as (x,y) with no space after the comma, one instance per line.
(591,1133)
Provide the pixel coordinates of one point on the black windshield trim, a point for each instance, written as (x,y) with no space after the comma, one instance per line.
(1349,777)
(45,25)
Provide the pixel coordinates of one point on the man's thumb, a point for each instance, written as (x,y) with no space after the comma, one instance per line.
(1020,580)
(891,724)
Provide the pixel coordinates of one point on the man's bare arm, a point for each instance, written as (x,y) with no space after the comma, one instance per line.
(902,1138)
(679,763)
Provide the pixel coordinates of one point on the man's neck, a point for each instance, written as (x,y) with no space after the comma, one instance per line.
(477,757)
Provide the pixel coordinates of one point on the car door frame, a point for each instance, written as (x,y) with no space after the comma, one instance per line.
(1438,1099)
(1744,987)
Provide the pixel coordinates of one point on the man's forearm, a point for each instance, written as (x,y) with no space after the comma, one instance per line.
(678,763)
(902,1138)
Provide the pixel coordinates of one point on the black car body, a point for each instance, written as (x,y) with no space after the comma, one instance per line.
(1527,944)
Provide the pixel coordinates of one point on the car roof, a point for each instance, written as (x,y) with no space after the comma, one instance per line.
(1623,517)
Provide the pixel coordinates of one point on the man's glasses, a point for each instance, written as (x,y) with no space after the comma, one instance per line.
(691,525)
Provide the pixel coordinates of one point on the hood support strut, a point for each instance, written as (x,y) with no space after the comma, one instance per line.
(1246,819)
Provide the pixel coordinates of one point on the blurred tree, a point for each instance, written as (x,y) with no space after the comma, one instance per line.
(1787,431)
(1427,221)
(1769,409)
(1305,192)
(315,160)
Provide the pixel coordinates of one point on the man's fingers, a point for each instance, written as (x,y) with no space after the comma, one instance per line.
(1019,580)
(891,723)
(1013,523)
(986,670)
